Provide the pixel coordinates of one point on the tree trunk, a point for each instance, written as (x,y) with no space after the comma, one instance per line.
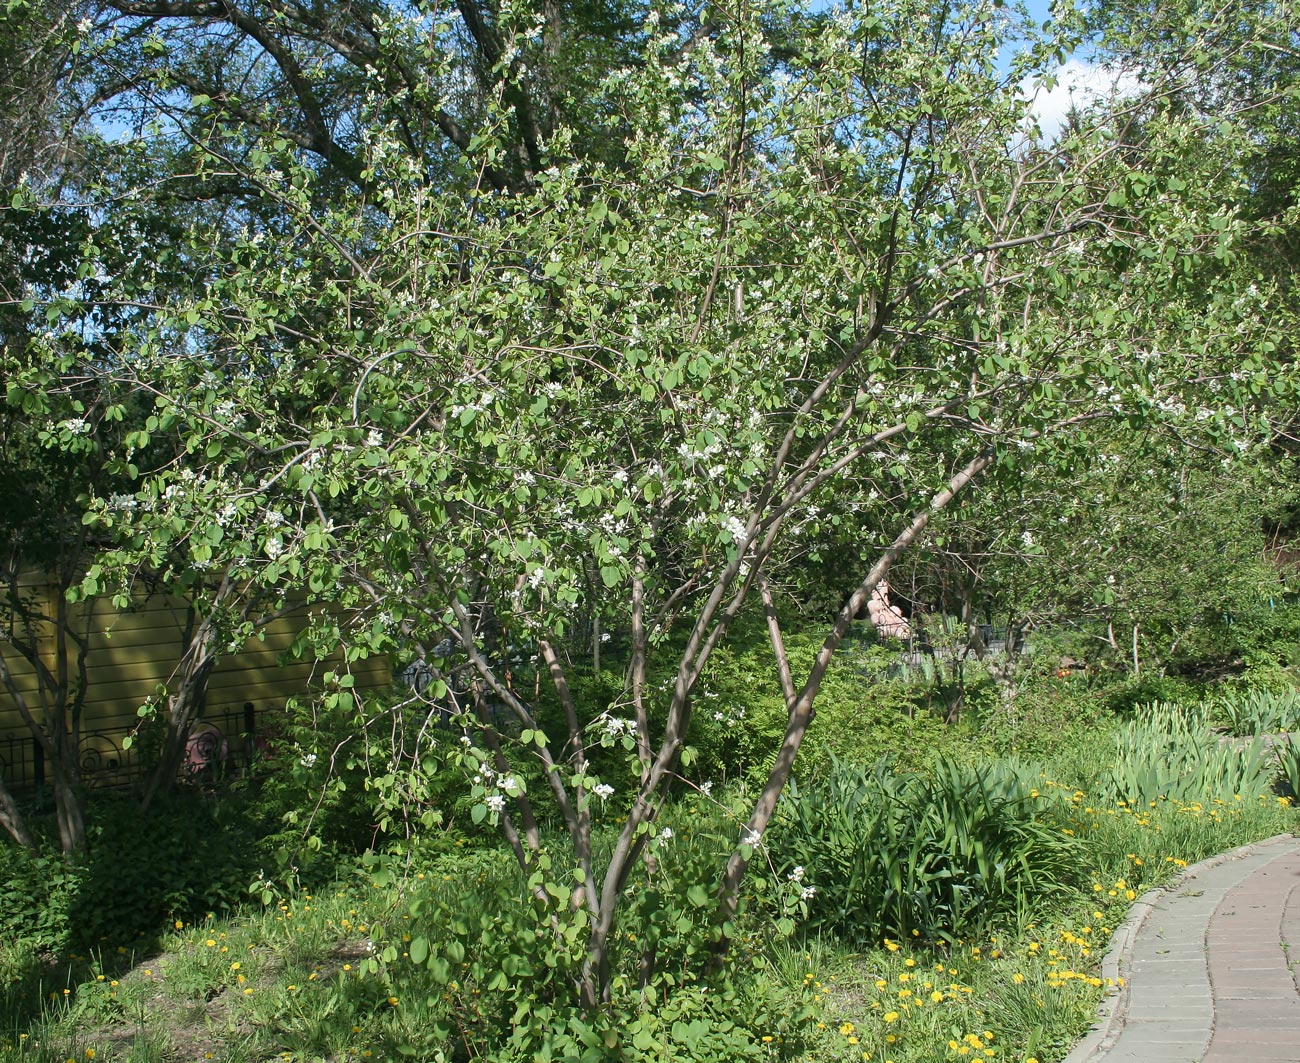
(183,708)
(800,708)
(12,820)
(67,809)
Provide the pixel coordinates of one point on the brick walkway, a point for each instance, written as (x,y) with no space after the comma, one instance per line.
(1208,975)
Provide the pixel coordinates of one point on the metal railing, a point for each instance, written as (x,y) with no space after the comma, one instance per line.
(220,745)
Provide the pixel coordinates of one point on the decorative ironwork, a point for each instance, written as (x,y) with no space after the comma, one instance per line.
(220,746)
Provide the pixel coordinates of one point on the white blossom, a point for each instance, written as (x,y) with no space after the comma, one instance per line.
(735,527)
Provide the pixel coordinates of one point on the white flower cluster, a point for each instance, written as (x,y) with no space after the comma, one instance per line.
(735,527)
(807,892)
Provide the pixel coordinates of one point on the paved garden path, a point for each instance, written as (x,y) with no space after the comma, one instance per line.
(1211,966)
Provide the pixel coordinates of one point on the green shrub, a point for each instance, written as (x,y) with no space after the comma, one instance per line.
(1133,693)
(500,969)
(36,893)
(860,716)
(946,855)
(190,857)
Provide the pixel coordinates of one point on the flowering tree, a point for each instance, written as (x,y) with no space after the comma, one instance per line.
(848,282)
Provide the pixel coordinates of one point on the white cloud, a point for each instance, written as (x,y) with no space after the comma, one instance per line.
(1078,85)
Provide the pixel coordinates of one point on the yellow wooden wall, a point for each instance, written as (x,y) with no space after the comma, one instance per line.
(133,651)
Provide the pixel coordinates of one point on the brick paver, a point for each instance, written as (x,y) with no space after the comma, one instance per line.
(1211,967)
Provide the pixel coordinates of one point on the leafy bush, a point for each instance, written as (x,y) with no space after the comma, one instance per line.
(36,892)
(944,855)
(191,857)
(1134,693)
(1168,752)
(503,973)
(860,715)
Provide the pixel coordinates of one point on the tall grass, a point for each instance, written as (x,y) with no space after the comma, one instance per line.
(1167,752)
(1255,712)
(948,854)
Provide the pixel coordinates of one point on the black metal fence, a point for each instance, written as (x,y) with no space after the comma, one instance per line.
(220,745)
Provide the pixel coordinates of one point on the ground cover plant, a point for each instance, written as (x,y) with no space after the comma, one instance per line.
(414,955)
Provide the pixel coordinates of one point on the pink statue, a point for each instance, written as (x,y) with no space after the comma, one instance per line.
(887,619)
(206,750)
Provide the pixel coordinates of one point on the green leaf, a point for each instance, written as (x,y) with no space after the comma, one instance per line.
(419,950)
